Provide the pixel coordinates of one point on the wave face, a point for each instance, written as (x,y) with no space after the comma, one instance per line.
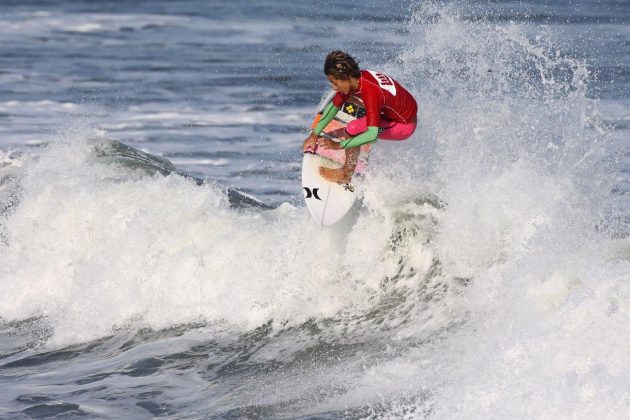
(486,274)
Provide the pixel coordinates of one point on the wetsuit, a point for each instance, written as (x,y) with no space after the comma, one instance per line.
(390,111)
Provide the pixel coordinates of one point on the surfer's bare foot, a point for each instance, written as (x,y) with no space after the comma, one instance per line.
(335,175)
(340,134)
(329,144)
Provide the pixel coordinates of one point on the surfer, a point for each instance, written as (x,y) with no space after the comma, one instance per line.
(391,112)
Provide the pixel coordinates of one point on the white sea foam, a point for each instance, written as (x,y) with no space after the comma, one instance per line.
(516,157)
(92,254)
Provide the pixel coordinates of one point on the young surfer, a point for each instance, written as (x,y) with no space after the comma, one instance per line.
(391,112)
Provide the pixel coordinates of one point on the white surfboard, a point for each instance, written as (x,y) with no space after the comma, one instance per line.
(328,202)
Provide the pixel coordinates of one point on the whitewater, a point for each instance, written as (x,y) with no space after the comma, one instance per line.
(157,260)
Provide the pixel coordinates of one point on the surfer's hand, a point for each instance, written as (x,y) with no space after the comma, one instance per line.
(329,144)
(310,143)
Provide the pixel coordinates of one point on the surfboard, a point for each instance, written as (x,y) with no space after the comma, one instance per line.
(328,202)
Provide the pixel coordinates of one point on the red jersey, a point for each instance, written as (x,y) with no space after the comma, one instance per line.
(382,96)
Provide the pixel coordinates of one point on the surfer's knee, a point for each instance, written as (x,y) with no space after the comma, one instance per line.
(356,127)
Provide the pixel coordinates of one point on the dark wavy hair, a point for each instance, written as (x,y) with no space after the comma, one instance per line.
(341,66)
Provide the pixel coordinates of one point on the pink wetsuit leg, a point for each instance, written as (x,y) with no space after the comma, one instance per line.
(356,127)
(389,130)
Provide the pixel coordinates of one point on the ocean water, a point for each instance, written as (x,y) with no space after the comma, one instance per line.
(156,258)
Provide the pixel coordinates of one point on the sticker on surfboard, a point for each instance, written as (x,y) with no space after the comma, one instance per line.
(328,202)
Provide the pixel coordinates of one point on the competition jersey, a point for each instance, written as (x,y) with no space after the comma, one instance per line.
(382,97)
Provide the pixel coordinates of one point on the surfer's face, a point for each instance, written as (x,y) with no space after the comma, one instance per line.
(340,85)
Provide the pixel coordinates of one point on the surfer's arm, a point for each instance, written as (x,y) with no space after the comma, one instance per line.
(368,136)
(327,115)
(373,101)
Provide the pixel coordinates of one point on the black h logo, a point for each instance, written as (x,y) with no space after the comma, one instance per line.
(310,193)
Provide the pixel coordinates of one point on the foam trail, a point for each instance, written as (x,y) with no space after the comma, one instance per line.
(93,249)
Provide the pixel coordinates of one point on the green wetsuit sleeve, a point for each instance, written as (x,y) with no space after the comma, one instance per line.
(329,113)
(368,136)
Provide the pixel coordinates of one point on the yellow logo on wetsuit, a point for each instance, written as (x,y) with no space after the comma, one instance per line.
(353,109)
